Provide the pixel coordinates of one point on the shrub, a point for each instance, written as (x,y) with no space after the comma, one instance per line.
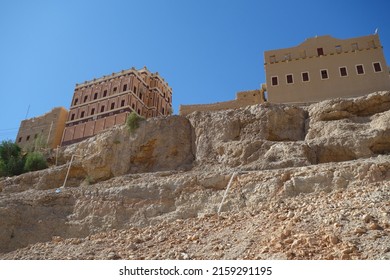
(35,161)
(2,168)
(15,166)
(133,121)
(11,160)
(9,149)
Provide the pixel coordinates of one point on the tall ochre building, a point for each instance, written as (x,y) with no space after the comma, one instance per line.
(324,67)
(107,101)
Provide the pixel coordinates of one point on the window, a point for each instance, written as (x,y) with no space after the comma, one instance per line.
(305,76)
(122,103)
(124,87)
(72,117)
(93,111)
(163,111)
(82,114)
(115,89)
(339,49)
(76,101)
(105,93)
(320,51)
(359,69)
(343,71)
(272,59)
(274,81)
(85,98)
(20,139)
(112,105)
(355,46)
(28,137)
(289,79)
(95,95)
(102,109)
(377,67)
(324,74)
(139,112)
(140,96)
(133,106)
(135,90)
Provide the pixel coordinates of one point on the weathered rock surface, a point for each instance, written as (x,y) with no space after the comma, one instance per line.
(159,144)
(313,183)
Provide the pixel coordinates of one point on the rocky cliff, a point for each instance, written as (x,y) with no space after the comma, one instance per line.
(312,182)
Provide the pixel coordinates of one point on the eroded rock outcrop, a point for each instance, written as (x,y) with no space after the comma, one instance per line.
(159,144)
(177,168)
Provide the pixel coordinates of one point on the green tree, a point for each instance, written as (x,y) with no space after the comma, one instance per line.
(11,159)
(3,167)
(35,161)
(15,166)
(9,149)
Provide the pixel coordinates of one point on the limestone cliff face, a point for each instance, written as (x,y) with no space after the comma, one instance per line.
(177,168)
(159,144)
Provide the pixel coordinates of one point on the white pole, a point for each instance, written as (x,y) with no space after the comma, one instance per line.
(67,173)
(226,191)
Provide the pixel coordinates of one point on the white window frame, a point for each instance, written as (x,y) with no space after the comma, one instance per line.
(292,76)
(356,68)
(308,75)
(380,65)
(327,73)
(277,78)
(346,69)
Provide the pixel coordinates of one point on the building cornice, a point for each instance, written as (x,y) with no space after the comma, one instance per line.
(122,73)
(324,55)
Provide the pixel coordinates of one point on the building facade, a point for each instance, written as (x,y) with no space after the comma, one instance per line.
(107,101)
(43,131)
(324,67)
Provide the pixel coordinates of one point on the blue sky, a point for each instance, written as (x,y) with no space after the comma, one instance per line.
(206,50)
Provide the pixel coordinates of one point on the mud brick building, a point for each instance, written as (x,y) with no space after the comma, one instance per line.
(42,131)
(107,101)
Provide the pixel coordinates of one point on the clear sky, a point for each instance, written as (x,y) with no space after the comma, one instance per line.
(206,50)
